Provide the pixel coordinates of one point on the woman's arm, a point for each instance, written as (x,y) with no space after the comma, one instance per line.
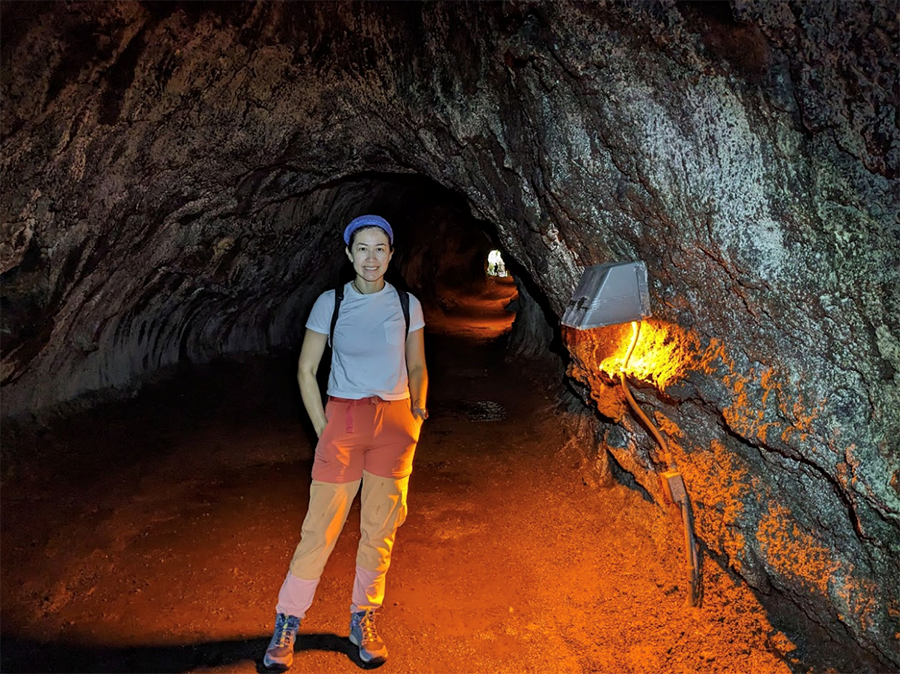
(310,357)
(418,373)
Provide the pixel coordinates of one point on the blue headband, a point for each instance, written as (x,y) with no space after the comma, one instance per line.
(368,221)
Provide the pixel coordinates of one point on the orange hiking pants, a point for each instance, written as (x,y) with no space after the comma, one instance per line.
(371,441)
(371,434)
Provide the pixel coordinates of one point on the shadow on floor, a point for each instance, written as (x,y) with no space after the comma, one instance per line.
(23,655)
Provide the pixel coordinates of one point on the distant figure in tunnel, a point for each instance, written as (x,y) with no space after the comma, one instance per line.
(367,434)
(496,266)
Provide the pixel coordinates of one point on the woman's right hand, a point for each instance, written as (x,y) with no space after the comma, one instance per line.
(310,356)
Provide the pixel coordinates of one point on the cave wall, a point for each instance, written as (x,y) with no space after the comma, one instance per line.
(175,175)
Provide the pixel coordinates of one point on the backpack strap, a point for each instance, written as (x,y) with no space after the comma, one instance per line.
(404,304)
(339,297)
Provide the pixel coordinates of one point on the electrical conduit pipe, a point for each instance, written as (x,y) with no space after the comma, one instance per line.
(674,483)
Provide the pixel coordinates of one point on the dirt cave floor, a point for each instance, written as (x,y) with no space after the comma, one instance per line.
(153,534)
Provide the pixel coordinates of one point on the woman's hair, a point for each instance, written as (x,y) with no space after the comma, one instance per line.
(364,228)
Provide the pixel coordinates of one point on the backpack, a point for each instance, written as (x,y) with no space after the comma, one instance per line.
(339,297)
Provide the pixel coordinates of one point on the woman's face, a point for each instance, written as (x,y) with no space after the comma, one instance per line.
(370,252)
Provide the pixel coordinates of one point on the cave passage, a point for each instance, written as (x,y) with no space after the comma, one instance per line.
(176,177)
(160,537)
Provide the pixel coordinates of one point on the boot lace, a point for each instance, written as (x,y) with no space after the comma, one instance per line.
(285,630)
(367,626)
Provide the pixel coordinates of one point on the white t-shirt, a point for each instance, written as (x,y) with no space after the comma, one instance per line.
(369,350)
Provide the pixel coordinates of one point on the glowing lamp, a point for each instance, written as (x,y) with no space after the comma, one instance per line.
(615,293)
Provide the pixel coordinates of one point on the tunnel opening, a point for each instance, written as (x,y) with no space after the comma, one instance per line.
(439,255)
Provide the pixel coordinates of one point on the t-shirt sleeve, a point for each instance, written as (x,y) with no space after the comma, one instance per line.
(416,316)
(320,316)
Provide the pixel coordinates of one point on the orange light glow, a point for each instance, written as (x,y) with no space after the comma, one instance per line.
(663,354)
(660,356)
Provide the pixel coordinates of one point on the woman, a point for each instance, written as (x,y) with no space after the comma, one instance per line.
(367,434)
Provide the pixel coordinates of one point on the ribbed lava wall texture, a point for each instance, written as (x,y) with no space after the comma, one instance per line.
(174,175)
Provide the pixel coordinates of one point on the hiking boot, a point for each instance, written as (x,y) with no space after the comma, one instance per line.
(280,653)
(363,634)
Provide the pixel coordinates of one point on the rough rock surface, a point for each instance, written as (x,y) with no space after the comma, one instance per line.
(174,174)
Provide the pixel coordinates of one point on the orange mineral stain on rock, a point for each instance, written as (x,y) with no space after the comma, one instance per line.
(794,553)
(858,595)
(765,405)
(720,481)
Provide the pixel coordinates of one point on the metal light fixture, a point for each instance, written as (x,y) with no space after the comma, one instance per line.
(609,294)
(612,294)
